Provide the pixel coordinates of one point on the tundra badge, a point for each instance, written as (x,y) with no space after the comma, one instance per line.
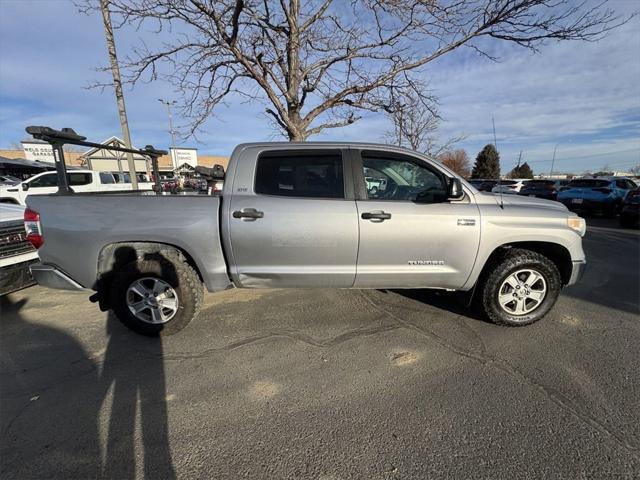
(467,222)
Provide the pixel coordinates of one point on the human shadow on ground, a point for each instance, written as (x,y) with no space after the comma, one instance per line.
(68,413)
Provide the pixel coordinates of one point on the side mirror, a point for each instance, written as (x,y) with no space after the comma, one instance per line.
(25,187)
(455,189)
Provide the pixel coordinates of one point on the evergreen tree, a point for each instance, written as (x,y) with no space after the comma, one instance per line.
(522,171)
(487,163)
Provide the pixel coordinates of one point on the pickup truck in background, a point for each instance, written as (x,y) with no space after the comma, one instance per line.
(16,252)
(79,180)
(303,215)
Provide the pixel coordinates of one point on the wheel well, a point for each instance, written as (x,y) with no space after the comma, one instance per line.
(12,201)
(116,255)
(558,254)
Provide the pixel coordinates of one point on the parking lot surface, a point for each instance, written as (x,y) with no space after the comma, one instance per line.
(330,384)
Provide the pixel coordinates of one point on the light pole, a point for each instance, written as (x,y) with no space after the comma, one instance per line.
(171,130)
(553,160)
(117,84)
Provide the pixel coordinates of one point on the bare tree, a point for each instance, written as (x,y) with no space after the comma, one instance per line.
(458,161)
(320,64)
(415,118)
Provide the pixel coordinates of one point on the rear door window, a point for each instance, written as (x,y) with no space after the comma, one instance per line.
(310,175)
(588,183)
(77,179)
(106,178)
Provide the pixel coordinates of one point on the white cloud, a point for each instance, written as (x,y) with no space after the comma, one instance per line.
(584,96)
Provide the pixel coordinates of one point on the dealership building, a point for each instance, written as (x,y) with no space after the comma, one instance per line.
(103,160)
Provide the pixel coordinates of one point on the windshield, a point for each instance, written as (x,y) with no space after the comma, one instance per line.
(588,183)
(537,183)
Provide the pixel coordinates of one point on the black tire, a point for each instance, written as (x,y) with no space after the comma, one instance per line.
(507,263)
(610,212)
(172,268)
(625,222)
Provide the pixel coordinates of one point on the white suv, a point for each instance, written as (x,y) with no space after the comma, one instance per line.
(509,186)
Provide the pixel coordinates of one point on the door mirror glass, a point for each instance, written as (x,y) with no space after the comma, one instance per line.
(455,189)
(25,187)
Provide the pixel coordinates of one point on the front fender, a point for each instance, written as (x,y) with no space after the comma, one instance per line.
(520,225)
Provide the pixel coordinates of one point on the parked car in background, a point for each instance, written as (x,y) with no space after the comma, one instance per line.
(482,184)
(9,180)
(17,254)
(508,186)
(590,195)
(170,185)
(542,188)
(630,211)
(124,177)
(79,181)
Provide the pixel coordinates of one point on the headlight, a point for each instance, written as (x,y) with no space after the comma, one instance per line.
(578,224)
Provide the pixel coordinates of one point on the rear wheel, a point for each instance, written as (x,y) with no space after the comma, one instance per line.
(520,288)
(158,295)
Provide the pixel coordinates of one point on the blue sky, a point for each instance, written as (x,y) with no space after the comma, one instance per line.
(584,97)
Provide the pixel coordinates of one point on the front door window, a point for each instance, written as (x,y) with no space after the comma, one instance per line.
(402,180)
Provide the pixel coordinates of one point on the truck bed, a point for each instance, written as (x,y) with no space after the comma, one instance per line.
(81,225)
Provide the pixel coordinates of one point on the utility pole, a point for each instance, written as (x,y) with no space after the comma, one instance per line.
(117,84)
(553,160)
(495,142)
(171,130)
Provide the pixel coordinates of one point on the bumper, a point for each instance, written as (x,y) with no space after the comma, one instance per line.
(543,195)
(50,276)
(16,276)
(577,272)
(587,204)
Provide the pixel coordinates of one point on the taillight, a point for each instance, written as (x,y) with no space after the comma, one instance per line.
(603,190)
(32,227)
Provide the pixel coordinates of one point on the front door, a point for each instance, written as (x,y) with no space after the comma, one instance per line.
(411,236)
(41,185)
(293,221)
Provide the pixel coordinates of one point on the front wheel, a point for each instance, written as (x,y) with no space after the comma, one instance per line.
(157,295)
(520,288)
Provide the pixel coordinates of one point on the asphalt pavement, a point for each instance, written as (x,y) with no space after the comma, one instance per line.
(330,384)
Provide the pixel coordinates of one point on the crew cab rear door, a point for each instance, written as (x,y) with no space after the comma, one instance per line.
(411,235)
(292,219)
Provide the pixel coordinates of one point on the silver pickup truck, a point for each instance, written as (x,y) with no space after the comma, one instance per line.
(302,215)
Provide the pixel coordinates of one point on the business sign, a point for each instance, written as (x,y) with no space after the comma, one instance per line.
(41,152)
(180,156)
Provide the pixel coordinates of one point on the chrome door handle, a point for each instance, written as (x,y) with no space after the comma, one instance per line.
(248,214)
(381,216)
